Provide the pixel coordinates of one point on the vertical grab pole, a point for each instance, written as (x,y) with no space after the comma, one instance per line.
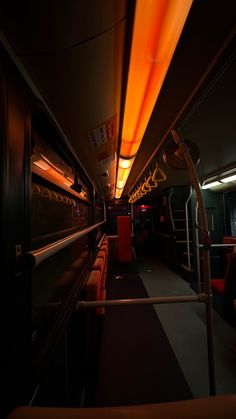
(104,212)
(187,227)
(206,256)
(132,218)
(197,250)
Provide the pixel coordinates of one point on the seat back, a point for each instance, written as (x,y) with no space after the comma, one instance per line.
(230,276)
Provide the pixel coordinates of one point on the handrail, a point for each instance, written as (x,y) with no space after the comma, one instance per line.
(45,252)
(100,241)
(140,301)
(187,226)
(170,210)
(104,212)
(197,248)
(206,254)
(220,245)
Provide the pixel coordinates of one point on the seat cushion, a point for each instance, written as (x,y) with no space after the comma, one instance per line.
(93,286)
(218,286)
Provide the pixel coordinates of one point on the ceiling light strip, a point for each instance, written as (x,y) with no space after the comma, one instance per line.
(157,28)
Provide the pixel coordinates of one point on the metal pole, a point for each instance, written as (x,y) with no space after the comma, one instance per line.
(66,366)
(197,250)
(170,208)
(34,395)
(45,252)
(132,218)
(206,257)
(220,245)
(141,301)
(187,226)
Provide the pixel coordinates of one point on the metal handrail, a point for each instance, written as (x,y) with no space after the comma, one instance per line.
(100,241)
(140,301)
(197,248)
(206,255)
(170,209)
(45,252)
(219,245)
(187,226)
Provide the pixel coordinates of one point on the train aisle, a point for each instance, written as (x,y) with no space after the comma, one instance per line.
(184,324)
(137,362)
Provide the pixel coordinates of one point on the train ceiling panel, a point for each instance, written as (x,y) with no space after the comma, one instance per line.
(49,27)
(210,126)
(75,51)
(207,37)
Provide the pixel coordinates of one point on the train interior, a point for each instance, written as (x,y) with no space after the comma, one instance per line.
(118,209)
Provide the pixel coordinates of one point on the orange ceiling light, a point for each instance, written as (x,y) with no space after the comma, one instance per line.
(157,28)
(118,193)
(124,167)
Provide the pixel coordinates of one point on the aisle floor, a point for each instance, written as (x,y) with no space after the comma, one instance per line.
(184,324)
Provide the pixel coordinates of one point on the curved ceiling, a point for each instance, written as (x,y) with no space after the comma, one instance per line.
(206,41)
(76,54)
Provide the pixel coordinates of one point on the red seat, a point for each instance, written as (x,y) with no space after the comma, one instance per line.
(94,290)
(99,265)
(124,238)
(104,247)
(102,254)
(218,286)
(93,286)
(226,285)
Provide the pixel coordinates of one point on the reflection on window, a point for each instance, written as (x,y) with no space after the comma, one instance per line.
(54,211)
(47,163)
(99,213)
(52,282)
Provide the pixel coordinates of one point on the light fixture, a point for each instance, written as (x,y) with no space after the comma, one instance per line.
(120,184)
(42,164)
(157,28)
(124,167)
(222,179)
(52,172)
(211,185)
(118,193)
(228,179)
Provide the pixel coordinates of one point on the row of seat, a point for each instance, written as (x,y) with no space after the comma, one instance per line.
(216,407)
(227,285)
(224,289)
(65,281)
(95,288)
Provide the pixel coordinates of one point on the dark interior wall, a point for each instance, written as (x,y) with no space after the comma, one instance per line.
(230,208)
(214,203)
(16,285)
(216,217)
(210,123)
